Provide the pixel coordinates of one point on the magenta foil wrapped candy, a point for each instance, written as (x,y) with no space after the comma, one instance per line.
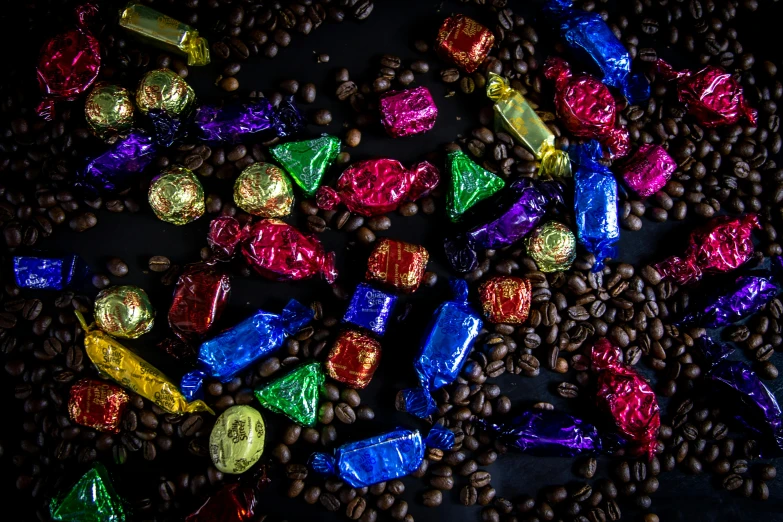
(408,112)
(648,170)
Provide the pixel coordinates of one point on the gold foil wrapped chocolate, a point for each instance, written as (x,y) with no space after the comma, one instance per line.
(552,246)
(124,311)
(237,439)
(164,90)
(176,196)
(264,190)
(134,373)
(514,115)
(108,110)
(166,32)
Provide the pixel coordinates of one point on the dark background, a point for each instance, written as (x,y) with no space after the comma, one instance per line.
(391,28)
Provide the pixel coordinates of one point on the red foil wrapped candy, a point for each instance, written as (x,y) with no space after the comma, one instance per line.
(97,404)
(721,245)
(506,299)
(627,396)
(232,503)
(200,297)
(587,108)
(69,63)
(464,41)
(353,359)
(648,170)
(397,264)
(407,112)
(280,252)
(375,187)
(224,236)
(712,95)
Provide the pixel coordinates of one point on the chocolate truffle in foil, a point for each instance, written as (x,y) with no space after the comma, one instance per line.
(108,110)
(552,246)
(124,311)
(177,196)
(264,190)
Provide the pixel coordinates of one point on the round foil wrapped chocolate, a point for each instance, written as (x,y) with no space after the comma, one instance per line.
(552,246)
(124,311)
(108,110)
(237,440)
(177,196)
(164,90)
(264,190)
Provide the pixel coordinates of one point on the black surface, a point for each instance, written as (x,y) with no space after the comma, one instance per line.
(392,28)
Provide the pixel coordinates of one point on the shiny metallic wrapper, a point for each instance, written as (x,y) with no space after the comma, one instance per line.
(108,110)
(552,246)
(164,90)
(264,190)
(177,196)
(237,439)
(124,311)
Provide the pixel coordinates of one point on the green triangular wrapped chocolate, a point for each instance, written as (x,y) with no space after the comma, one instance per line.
(307,161)
(295,394)
(469,184)
(92,499)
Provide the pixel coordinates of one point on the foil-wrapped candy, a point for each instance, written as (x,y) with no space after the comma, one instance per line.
(307,161)
(506,299)
(295,394)
(470,184)
(168,101)
(176,196)
(124,311)
(648,170)
(108,110)
(258,119)
(464,42)
(118,167)
(91,499)
(263,189)
(397,264)
(407,112)
(552,246)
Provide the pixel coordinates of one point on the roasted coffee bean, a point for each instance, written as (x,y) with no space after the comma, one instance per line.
(385,501)
(568,390)
(449,75)
(322,117)
(732,482)
(432,498)
(159,263)
(587,467)
(345,413)
(330,502)
(468,496)
(480,479)
(117,267)
(312,494)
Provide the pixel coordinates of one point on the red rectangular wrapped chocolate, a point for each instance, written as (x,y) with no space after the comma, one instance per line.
(464,41)
(97,404)
(353,359)
(506,299)
(200,297)
(397,264)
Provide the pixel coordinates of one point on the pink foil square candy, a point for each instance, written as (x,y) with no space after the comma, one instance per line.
(407,112)
(648,171)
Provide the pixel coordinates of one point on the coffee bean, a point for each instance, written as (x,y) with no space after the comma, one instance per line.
(159,263)
(32,309)
(322,117)
(433,497)
(312,494)
(468,495)
(450,75)
(568,390)
(480,479)
(385,501)
(732,482)
(345,413)
(353,137)
(117,267)
(587,467)
(330,502)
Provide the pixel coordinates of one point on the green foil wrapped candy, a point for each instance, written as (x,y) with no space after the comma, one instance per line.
(469,184)
(263,189)
(552,246)
(295,394)
(164,90)
(124,311)
(92,499)
(307,161)
(177,196)
(108,110)
(237,439)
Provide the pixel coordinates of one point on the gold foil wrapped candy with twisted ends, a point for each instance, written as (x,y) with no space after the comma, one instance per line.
(108,110)
(237,439)
(264,190)
(552,246)
(164,90)
(124,311)
(176,196)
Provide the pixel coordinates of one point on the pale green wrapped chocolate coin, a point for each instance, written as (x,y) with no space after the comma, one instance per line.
(307,161)
(177,196)
(124,311)
(237,439)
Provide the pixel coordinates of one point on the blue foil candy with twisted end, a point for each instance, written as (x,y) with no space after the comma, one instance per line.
(370,308)
(47,273)
(591,41)
(234,123)
(595,203)
(117,168)
(231,351)
(381,458)
(453,328)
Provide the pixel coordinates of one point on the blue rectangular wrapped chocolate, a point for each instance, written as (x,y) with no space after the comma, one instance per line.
(233,350)
(453,328)
(117,168)
(370,308)
(46,273)
(381,458)
(234,123)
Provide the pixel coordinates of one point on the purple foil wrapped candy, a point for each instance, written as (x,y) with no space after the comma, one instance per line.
(648,170)
(746,296)
(522,206)
(115,169)
(234,123)
(712,352)
(407,112)
(547,433)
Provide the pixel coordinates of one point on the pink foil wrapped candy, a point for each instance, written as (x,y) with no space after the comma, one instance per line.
(648,170)
(587,108)
(224,236)
(408,112)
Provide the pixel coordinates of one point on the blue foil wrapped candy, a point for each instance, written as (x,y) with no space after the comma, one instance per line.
(225,355)
(47,273)
(370,308)
(453,328)
(115,169)
(595,203)
(591,41)
(381,458)
(234,123)
(746,296)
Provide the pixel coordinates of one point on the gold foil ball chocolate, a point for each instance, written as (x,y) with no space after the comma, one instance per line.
(177,196)
(264,190)
(124,311)
(552,246)
(108,110)
(237,440)
(164,90)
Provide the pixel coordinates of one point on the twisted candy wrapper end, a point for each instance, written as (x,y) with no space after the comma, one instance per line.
(418,402)
(555,163)
(636,88)
(323,463)
(192,384)
(440,438)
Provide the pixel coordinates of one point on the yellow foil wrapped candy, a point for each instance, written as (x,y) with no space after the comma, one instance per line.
(134,373)
(518,118)
(164,90)
(237,440)
(166,32)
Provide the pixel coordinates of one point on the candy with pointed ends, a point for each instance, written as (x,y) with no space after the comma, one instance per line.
(710,351)
(133,372)
(92,499)
(263,189)
(258,119)
(233,350)
(397,264)
(648,170)
(225,234)
(176,196)
(595,204)
(168,102)
(408,112)
(382,457)
(116,169)
(295,394)
(108,110)
(237,439)
(47,273)
(470,184)
(370,308)
(464,41)
(721,245)
(165,32)
(353,359)
(232,503)
(517,117)
(506,299)
(552,246)
(97,404)
(124,311)
(200,296)
(307,161)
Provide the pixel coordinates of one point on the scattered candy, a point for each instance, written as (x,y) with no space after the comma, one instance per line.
(97,404)
(445,348)
(200,296)
(712,352)
(721,245)
(506,299)
(264,190)
(470,184)
(237,439)
(47,273)
(165,32)
(648,170)
(552,246)
(224,236)
(91,499)
(464,41)
(231,503)
(233,350)
(124,311)
(116,169)
(382,457)
(370,308)
(353,359)
(168,101)
(176,196)
(108,110)
(295,394)
(307,161)
(408,112)
(397,264)
(258,119)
